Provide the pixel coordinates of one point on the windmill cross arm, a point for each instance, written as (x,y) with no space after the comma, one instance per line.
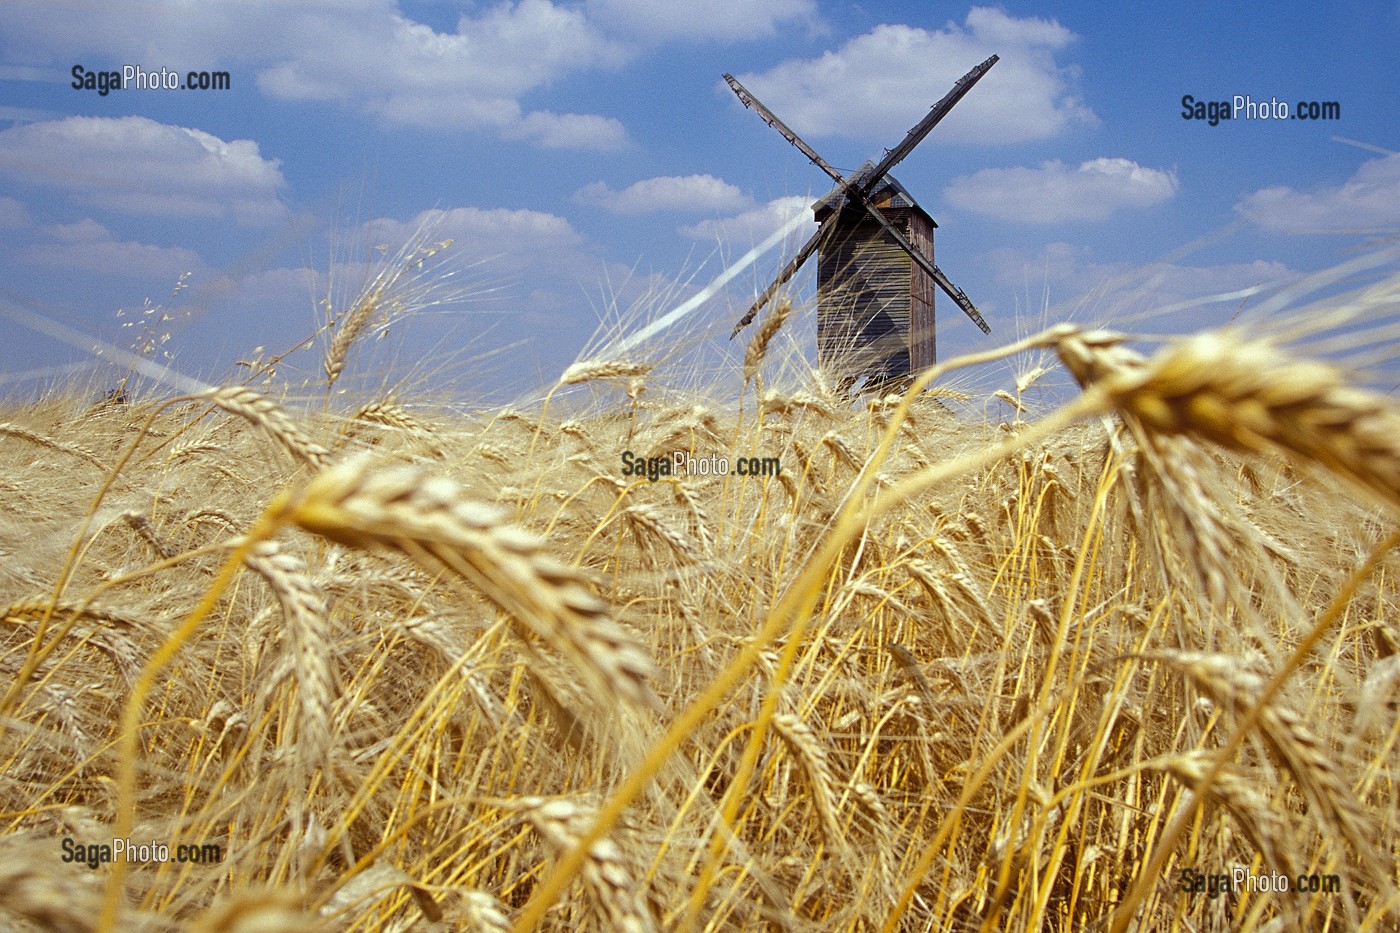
(769,117)
(788,272)
(926,125)
(923,262)
(960,297)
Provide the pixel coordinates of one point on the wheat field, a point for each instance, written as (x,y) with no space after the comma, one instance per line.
(1131,662)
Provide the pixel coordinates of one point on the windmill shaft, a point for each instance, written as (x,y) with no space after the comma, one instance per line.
(924,126)
(959,296)
(923,262)
(788,272)
(756,105)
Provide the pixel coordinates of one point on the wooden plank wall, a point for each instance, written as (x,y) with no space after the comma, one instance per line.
(863,299)
(923,337)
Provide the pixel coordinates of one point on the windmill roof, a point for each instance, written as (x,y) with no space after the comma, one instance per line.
(889,193)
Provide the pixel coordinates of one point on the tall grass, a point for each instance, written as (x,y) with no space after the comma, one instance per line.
(411,669)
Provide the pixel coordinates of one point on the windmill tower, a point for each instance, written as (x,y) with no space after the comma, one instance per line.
(875,270)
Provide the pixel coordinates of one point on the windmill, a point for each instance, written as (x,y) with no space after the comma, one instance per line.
(875,271)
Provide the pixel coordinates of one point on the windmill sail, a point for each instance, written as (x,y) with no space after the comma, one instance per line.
(876,272)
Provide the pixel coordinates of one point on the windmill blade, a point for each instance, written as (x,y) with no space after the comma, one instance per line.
(923,261)
(924,126)
(961,298)
(859,194)
(788,272)
(754,104)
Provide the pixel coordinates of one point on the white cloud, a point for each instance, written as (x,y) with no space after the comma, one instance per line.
(665,193)
(515,239)
(87,246)
(1056,193)
(753,226)
(571,131)
(1368,200)
(138,166)
(876,86)
(729,20)
(364,54)
(534,262)
(407,73)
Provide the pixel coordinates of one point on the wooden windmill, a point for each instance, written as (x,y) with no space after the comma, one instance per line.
(875,270)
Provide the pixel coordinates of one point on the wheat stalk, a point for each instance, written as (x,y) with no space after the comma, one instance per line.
(146,531)
(687,495)
(350,328)
(1312,764)
(800,738)
(1248,395)
(392,293)
(647,518)
(391,415)
(609,876)
(14,430)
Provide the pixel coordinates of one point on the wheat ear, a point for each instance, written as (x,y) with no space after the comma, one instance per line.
(610,878)
(353,324)
(270,416)
(431,519)
(758,347)
(14,430)
(308,632)
(1250,396)
(595,370)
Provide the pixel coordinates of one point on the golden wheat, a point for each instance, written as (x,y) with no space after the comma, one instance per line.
(309,644)
(597,370)
(270,416)
(758,347)
(429,518)
(1001,692)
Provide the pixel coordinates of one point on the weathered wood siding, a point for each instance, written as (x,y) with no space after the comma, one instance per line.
(923,338)
(863,298)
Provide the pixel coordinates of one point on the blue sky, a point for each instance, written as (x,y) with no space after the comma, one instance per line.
(582,153)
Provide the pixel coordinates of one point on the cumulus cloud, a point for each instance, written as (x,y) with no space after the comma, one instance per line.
(138,166)
(570,131)
(407,73)
(665,193)
(1056,193)
(87,246)
(515,249)
(1368,200)
(728,20)
(753,226)
(364,54)
(879,84)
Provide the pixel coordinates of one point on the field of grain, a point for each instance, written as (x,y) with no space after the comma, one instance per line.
(1129,663)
